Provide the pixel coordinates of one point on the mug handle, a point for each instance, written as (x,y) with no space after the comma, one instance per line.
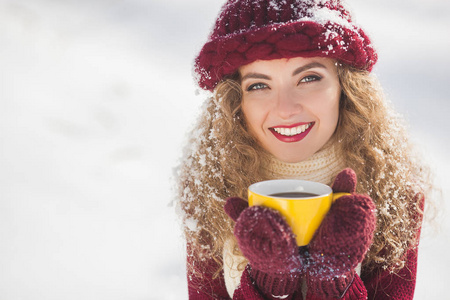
(339,195)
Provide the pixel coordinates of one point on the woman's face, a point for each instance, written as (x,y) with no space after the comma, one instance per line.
(291,105)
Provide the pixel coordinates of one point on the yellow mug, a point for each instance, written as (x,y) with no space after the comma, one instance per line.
(303,203)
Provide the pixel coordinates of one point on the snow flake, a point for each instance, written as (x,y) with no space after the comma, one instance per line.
(191,224)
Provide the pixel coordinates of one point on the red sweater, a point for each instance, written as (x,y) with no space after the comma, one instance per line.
(379,285)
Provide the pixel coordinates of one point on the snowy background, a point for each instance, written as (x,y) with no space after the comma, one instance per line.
(96,98)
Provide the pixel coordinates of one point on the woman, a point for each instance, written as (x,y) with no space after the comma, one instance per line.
(293,98)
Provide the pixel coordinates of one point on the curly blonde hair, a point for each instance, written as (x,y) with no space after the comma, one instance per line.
(223,159)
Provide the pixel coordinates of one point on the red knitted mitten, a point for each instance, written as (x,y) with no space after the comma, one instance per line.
(269,244)
(341,241)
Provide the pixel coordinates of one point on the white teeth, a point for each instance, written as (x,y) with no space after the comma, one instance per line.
(292,131)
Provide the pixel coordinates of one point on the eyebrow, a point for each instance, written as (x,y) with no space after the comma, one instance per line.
(307,67)
(297,71)
(255,76)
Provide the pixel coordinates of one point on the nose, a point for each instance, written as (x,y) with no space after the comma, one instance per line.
(288,104)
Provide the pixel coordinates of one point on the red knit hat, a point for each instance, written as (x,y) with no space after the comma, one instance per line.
(250,30)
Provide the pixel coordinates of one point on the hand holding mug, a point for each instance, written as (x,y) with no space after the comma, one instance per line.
(341,242)
(269,244)
(337,247)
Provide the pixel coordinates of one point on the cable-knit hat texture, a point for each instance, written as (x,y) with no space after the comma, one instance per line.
(250,30)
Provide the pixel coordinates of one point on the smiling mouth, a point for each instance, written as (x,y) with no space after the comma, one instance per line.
(293,133)
(293,130)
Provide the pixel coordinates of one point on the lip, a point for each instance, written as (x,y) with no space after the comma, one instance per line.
(293,138)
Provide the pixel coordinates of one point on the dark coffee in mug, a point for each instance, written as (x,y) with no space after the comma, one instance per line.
(294,195)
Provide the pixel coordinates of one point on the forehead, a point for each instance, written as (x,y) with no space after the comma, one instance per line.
(287,64)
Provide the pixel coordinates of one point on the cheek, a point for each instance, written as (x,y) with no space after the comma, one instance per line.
(328,109)
(334,113)
(249,117)
(254,114)
(246,110)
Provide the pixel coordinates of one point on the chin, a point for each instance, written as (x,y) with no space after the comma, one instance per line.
(292,158)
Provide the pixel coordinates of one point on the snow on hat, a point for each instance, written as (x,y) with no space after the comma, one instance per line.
(250,30)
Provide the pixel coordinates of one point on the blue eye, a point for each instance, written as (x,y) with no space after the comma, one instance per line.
(310,78)
(257,86)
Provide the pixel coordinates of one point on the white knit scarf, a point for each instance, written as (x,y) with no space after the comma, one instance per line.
(322,167)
